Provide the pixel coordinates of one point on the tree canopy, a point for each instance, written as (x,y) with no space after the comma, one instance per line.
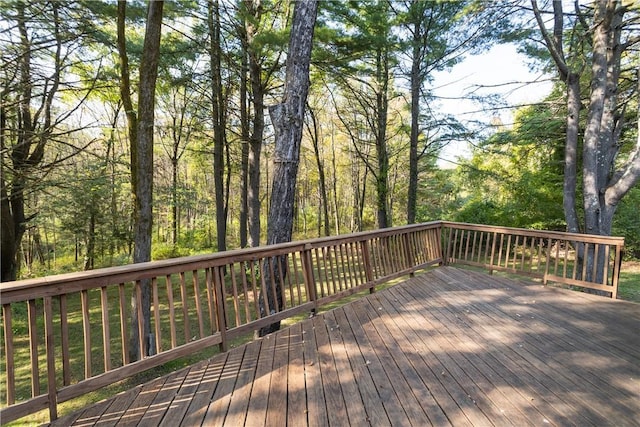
(72,79)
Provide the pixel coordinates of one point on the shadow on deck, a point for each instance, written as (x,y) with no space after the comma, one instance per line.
(446,347)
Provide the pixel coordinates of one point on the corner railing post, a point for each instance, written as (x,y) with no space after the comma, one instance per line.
(439,251)
(368,267)
(448,244)
(546,264)
(409,253)
(493,250)
(616,270)
(218,282)
(309,279)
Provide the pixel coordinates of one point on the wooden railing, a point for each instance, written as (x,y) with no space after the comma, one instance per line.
(74,329)
(66,335)
(581,260)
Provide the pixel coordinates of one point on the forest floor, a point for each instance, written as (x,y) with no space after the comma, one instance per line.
(629,288)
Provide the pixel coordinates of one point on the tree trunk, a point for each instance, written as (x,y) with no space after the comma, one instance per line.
(217,104)
(125,94)
(324,217)
(287,119)
(416,83)
(31,140)
(89,258)
(382,104)
(244,140)
(255,141)
(174,196)
(605,180)
(334,184)
(571,153)
(144,174)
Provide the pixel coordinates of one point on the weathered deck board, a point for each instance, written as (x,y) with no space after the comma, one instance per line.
(447,347)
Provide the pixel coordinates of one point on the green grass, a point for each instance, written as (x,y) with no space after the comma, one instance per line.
(629,287)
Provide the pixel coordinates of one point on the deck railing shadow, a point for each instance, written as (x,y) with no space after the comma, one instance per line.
(66,335)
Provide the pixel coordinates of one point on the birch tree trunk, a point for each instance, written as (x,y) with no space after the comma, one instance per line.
(288,119)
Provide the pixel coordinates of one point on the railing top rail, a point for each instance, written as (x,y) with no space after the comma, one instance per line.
(587,238)
(70,282)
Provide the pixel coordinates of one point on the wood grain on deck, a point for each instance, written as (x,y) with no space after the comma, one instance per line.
(446,347)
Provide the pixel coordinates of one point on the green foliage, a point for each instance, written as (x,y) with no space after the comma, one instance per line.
(480,212)
(515,177)
(626,223)
(164,251)
(438,195)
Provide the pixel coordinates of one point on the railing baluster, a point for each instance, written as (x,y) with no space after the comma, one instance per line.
(86,329)
(234,289)
(140,318)
(294,261)
(605,272)
(245,290)
(8,354)
(196,293)
(106,335)
(596,262)
(185,308)
(64,338)
(51,358)
(156,314)
(33,348)
(346,277)
(124,331)
(254,287)
(172,311)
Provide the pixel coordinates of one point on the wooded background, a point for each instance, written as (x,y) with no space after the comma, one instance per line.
(72,112)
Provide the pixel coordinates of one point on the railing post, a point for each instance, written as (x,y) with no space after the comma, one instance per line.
(368,267)
(439,252)
(616,272)
(449,233)
(8,353)
(493,250)
(218,286)
(546,264)
(309,280)
(409,253)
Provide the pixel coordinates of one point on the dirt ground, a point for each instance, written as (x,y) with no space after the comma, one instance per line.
(631,267)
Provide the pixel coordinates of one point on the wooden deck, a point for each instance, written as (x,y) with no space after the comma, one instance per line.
(447,347)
